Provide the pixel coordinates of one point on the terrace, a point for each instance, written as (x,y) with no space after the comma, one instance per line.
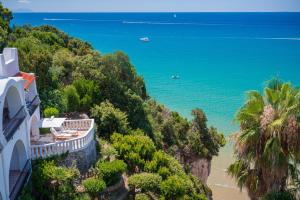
(63,136)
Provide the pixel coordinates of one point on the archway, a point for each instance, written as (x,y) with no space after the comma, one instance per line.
(19,169)
(34,129)
(12,115)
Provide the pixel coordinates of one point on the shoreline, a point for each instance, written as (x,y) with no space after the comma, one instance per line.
(222,185)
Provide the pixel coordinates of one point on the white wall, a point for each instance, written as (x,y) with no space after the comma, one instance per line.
(9,63)
(13,86)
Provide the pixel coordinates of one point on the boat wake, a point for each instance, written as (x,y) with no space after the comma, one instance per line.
(261,38)
(83,20)
(172,23)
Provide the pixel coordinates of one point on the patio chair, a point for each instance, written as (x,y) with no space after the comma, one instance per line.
(60,136)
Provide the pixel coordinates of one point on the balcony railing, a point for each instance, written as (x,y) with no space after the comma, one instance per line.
(32,105)
(13,124)
(20,178)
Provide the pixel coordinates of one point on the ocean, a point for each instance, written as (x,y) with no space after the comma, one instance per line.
(218,56)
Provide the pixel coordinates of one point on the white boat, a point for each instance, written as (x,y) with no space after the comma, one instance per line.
(174,15)
(145,39)
(175,77)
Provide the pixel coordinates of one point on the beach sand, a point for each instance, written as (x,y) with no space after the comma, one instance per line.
(222,185)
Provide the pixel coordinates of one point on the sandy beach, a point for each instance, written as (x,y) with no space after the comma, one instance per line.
(222,185)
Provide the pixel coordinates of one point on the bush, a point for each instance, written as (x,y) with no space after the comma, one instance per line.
(93,186)
(163,164)
(72,98)
(58,180)
(111,171)
(142,197)
(279,196)
(135,150)
(109,119)
(145,181)
(51,111)
(174,187)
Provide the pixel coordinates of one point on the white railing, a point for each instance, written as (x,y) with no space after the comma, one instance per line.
(71,145)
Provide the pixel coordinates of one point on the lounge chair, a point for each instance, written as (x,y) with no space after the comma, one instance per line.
(60,136)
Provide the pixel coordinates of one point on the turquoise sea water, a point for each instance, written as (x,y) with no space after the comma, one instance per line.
(218,56)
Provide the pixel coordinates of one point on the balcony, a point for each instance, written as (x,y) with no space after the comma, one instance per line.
(17,180)
(72,136)
(10,125)
(33,105)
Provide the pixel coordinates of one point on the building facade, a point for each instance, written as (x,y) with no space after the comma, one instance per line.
(20,123)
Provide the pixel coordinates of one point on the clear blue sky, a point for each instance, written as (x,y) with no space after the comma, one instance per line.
(153,5)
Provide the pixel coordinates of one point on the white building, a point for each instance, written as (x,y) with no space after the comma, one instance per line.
(20,138)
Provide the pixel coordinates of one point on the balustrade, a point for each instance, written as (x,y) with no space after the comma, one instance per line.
(71,145)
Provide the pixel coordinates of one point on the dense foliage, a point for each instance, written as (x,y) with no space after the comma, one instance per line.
(134,149)
(145,182)
(268,144)
(5,17)
(111,171)
(110,119)
(59,180)
(93,186)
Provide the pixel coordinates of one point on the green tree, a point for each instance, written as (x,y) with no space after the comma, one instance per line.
(5,17)
(62,66)
(72,98)
(109,119)
(135,150)
(202,140)
(164,164)
(268,144)
(88,92)
(36,57)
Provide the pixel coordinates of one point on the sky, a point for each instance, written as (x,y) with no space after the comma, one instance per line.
(153,5)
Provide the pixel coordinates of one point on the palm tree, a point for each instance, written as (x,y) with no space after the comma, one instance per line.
(267,146)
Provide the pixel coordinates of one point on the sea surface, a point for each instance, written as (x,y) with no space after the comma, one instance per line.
(218,56)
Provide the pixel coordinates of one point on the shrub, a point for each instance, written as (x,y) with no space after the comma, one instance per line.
(51,111)
(135,150)
(59,180)
(279,196)
(174,187)
(142,197)
(144,181)
(109,119)
(163,164)
(94,186)
(72,98)
(111,171)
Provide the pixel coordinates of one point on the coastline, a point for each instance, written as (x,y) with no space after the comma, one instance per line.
(223,186)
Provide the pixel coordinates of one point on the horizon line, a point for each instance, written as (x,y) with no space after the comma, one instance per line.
(173,12)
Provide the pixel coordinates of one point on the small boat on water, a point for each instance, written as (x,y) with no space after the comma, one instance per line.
(175,77)
(145,39)
(174,15)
